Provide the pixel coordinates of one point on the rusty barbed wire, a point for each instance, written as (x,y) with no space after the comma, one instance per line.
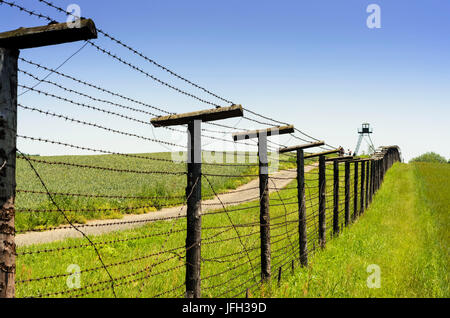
(84,105)
(68,220)
(113,113)
(39,15)
(157,64)
(101,89)
(96,225)
(68,164)
(140,54)
(128,99)
(48,113)
(87,195)
(138,69)
(81,94)
(63,248)
(145,157)
(87,270)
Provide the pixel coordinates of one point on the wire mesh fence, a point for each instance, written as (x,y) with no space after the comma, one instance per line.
(102,221)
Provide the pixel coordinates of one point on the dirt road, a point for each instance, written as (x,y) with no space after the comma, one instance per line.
(97,227)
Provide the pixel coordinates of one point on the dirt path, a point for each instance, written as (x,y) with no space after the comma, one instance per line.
(96,227)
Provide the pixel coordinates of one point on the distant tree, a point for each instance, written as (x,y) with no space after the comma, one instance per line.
(430,157)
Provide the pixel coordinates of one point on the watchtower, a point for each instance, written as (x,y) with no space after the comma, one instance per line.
(365,131)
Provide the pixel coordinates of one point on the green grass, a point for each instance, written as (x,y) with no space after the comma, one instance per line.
(150,188)
(405,232)
(142,270)
(136,276)
(216,243)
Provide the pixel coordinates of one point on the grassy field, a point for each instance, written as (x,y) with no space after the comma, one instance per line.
(155,272)
(140,269)
(115,193)
(405,232)
(149,261)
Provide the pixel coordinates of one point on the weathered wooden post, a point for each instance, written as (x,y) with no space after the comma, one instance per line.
(8,127)
(372,179)
(336,162)
(322,192)
(378,174)
(355,188)
(194,209)
(336,197)
(194,189)
(322,202)
(10,44)
(367,184)
(347,193)
(264,216)
(363,180)
(302,233)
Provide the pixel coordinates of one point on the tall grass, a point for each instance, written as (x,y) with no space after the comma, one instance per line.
(405,232)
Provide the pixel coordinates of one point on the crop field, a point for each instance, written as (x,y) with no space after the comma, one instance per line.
(86,193)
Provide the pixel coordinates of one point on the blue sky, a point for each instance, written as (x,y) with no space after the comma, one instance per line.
(314,64)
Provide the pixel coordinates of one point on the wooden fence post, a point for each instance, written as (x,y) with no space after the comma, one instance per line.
(264,212)
(355,190)
(303,239)
(194,181)
(367,184)
(10,44)
(322,202)
(379,170)
(264,215)
(302,231)
(372,180)
(194,204)
(347,193)
(8,128)
(363,180)
(381,173)
(336,197)
(378,175)
(375,183)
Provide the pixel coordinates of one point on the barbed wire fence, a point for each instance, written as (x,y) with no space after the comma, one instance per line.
(120,217)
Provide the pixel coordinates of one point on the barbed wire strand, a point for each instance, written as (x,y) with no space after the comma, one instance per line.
(68,221)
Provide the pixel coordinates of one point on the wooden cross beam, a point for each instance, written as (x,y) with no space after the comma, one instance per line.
(324,153)
(203,115)
(58,33)
(343,158)
(279,130)
(361,159)
(10,45)
(301,147)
